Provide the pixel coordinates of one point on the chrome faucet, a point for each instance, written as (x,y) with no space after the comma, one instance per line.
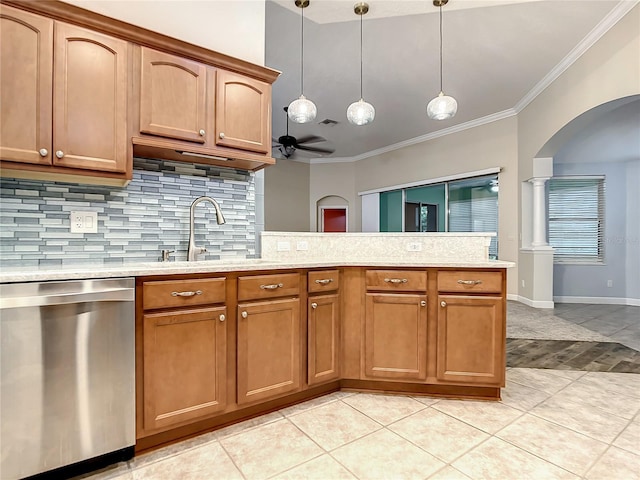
(193,249)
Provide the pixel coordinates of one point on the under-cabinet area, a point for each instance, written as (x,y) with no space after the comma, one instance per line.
(213,349)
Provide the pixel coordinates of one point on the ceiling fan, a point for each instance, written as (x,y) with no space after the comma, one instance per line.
(287,144)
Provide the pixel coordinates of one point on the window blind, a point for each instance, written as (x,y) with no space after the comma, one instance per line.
(576,219)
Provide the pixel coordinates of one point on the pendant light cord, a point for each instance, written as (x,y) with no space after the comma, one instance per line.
(302,51)
(361,97)
(440,47)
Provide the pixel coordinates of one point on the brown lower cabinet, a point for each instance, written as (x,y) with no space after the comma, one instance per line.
(185,365)
(217,349)
(470,339)
(268,349)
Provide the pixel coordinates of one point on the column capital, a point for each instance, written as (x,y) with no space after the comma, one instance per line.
(536,181)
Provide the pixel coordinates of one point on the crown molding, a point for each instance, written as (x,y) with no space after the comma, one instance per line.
(494,117)
(613,17)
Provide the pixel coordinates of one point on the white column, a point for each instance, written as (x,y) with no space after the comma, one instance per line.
(539,231)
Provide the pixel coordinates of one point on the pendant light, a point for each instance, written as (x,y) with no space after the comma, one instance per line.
(443,106)
(361,112)
(302,110)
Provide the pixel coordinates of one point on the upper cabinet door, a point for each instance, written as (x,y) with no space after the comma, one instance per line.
(243,112)
(26,65)
(90,100)
(173,97)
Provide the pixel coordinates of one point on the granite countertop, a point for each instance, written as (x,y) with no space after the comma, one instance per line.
(78,272)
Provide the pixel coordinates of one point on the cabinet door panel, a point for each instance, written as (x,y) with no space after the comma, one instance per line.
(26,74)
(470,339)
(90,100)
(396,336)
(184,365)
(173,96)
(243,112)
(324,339)
(268,349)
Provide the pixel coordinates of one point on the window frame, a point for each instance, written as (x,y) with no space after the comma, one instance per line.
(595,184)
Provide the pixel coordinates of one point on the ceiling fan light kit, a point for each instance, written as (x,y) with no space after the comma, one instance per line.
(443,106)
(302,110)
(361,112)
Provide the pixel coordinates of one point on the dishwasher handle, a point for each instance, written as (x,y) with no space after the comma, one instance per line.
(44,300)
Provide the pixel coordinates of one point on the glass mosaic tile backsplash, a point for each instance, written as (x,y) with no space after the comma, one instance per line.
(134,222)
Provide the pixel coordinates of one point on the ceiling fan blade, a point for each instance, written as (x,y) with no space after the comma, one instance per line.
(315,149)
(311,139)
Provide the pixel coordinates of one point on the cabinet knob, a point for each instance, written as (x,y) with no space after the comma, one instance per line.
(59,153)
(221,134)
(43,152)
(202,132)
(423,303)
(443,304)
(314,305)
(222,318)
(244,314)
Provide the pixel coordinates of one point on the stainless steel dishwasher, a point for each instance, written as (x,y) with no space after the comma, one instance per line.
(68,373)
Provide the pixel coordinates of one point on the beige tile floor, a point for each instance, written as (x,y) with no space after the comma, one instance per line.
(551,424)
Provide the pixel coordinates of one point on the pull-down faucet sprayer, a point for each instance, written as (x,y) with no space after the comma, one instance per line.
(193,249)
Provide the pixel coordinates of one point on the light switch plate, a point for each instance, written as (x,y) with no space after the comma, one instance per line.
(84,222)
(283,246)
(302,245)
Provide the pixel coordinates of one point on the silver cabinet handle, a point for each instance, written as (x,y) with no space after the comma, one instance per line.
(59,153)
(469,282)
(221,134)
(222,318)
(244,314)
(423,303)
(443,304)
(314,305)
(271,287)
(43,152)
(202,132)
(324,281)
(396,280)
(186,294)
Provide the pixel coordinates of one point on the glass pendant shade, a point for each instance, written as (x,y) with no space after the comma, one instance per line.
(442,107)
(361,113)
(302,110)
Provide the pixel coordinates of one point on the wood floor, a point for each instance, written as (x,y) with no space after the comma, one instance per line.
(572,355)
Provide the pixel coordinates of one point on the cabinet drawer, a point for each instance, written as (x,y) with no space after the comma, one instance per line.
(396,280)
(323,281)
(470,281)
(268,286)
(178,293)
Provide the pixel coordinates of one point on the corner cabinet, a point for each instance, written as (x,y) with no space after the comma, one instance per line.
(471,328)
(243,112)
(64,99)
(183,340)
(323,327)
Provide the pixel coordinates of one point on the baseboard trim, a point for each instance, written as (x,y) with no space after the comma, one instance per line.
(634,302)
(531,303)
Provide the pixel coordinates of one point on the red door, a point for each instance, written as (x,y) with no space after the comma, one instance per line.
(334,219)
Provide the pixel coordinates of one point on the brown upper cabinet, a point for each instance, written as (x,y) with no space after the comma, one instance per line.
(243,112)
(176,97)
(64,97)
(77,105)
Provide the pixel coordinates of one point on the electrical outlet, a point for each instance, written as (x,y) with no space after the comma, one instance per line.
(414,247)
(522,283)
(83,222)
(302,246)
(283,246)
(609,283)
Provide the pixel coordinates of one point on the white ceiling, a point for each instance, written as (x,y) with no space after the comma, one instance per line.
(497,56)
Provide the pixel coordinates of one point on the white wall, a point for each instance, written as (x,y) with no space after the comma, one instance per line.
(232,27)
